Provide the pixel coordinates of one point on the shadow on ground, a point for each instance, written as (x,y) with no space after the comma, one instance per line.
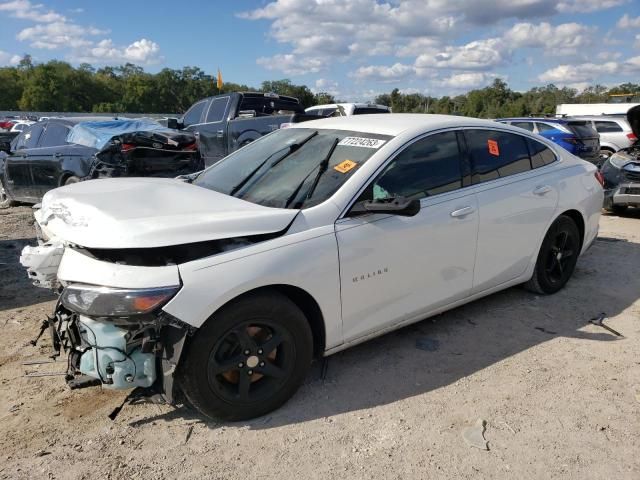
(467,340)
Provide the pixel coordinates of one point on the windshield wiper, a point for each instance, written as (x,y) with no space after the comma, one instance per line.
(322,167)
(292,148)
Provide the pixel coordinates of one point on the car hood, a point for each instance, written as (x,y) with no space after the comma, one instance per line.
(151,212)
(633,117)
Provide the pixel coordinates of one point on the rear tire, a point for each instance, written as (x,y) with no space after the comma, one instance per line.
(248,359)
(5,199)
(557,257)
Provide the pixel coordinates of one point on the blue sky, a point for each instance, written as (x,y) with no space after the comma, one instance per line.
(354,49)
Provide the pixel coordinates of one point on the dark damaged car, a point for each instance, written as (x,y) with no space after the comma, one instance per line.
(621,172)
(59,152)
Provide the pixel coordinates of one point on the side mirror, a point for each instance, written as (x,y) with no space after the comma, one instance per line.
(173,123)
(392,206)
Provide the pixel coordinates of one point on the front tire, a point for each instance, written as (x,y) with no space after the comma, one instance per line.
(619,210)
(557,257)
(248,359)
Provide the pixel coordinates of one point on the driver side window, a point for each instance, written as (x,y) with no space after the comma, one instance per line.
(427,167)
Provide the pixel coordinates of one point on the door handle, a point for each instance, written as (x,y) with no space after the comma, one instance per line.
(462,212)
(57,154)
(541,190)
(220,133)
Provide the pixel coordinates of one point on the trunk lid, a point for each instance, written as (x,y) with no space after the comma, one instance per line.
(151,212)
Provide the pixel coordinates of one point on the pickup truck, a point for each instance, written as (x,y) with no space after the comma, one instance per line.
(225,123)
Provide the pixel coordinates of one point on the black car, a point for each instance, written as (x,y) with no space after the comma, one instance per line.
(621,172)
(58,152)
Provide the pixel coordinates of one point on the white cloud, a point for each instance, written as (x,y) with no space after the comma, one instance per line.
(292,64)
(628,22)
(383,73)
(26,10)
(55,35)
(582,6)
(53,31)
(567,38)
(590,72)
(479,54)
(467,81)
(141,52)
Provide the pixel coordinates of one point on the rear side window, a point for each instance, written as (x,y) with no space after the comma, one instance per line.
(582,129)
(545,127)
(607,127)
(525,125)
(194,114)
(29,137)
(217,109)
(54,135)
(427,167)
(541,155)
(367,110)
(496,154)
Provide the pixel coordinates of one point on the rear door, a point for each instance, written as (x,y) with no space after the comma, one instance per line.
(211,131)
(515,203)
(19,181)
(47,158)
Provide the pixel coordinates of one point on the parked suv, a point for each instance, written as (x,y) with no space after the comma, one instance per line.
(615,133)
(576,136)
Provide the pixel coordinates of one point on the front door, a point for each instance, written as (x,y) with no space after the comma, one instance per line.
(212,134)
(395,268)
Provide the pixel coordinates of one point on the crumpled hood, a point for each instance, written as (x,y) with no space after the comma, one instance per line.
(151,212)
(633,117)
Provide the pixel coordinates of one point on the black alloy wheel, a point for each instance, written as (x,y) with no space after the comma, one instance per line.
(248,359)
(557,257)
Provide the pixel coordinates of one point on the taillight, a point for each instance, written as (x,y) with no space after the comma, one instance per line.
(632,136)
(600,178)
(126,147)
(191,146)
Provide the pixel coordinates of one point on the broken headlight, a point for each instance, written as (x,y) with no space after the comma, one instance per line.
(618,160)
(95,301)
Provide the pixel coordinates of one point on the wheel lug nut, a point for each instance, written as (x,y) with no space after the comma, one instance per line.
(262,364)
(247,352)
(250,372)
(240,365)
(260,352)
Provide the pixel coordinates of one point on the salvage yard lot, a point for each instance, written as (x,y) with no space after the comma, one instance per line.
(561,397)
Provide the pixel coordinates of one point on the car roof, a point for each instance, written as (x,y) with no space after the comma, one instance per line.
(357,105)
(532,119)
(599,118)
(396,123)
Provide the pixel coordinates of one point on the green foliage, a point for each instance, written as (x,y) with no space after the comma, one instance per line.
(58,87)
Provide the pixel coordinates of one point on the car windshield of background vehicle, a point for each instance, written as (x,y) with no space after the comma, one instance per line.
(274,171)
(607,127)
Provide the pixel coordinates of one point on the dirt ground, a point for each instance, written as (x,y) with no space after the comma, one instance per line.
(560,396)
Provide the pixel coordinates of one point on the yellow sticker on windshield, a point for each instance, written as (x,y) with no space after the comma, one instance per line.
(345,166)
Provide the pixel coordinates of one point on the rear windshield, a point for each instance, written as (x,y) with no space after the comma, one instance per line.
(269,106)
(582,129)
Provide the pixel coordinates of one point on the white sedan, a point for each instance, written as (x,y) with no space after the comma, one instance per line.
(224,287)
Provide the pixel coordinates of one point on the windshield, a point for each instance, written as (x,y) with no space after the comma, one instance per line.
(293,167)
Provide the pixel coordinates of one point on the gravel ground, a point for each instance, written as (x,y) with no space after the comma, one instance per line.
(560,397)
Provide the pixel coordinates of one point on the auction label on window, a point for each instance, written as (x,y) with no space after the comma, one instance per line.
(345,166)
(362,142)
(494,149)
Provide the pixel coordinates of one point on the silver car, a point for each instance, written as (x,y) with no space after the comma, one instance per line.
(615,133)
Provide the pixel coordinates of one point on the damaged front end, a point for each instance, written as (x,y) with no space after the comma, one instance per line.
(116,337)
